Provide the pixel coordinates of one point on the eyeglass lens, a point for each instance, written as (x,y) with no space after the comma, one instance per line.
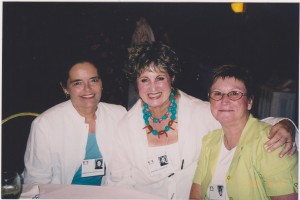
(233,95)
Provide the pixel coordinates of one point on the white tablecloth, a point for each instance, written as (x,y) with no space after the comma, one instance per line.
(52,191)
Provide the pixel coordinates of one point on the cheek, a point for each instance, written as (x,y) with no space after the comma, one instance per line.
(165,86)
(213,107)
(98,88)
(73,90)
(141,87)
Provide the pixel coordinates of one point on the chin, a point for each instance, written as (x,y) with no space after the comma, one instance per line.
(155,104)
(225,119)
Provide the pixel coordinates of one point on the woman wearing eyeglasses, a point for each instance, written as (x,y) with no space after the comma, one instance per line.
(158,141)
(233,163)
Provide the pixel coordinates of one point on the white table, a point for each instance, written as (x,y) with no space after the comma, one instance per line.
(56,191)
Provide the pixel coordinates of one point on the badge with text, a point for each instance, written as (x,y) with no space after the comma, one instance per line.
(217,192)
(93,167)
(158,164)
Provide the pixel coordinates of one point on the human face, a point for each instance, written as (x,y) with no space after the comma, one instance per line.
(84,86)
(226,111)
(154,87)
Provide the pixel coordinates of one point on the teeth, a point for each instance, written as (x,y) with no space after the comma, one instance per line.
(156,95)
(88,96)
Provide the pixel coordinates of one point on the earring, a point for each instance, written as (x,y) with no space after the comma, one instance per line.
(67,95)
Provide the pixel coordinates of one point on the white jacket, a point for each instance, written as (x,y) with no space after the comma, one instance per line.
(58,138)
(129,162)
(129,166)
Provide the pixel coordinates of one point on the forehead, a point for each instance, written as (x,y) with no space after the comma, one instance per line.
(228,82)
(83,69)
(153,69)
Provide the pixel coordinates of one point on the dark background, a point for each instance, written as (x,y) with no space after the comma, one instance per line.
(38,39)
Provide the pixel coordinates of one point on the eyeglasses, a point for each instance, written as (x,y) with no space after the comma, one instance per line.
(233,95)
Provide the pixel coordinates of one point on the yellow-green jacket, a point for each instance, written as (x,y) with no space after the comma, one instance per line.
(253,173)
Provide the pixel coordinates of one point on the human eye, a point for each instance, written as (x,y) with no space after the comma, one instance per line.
(76,83)
(160,78)
(144,80)
(234,93)
(95,80)
(216,93)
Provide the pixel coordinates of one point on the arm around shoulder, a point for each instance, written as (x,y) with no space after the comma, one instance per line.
(283,132)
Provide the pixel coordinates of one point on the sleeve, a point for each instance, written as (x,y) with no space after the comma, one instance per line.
(121,166)
(279,175)
(37,157)
(275,120)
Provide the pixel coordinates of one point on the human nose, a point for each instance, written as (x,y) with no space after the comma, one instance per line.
(152,85)
(87,86)
(225,98)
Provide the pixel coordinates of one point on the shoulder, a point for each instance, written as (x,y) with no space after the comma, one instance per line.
(212,137)
(57,110)
(258,127)
(190,99)
(198,110)
(56,116)
(110,112)
(133,118)
(112,107)
(135,110)
(193,102)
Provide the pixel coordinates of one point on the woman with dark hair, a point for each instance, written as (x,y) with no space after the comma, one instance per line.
(67,138)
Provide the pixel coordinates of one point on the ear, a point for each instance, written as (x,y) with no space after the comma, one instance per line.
(63,88)
(172,80)
(250,103)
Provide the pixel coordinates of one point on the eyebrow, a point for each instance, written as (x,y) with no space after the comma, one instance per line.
(76,80)
(95,77)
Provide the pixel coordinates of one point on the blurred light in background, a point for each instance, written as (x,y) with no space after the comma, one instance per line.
(238,7)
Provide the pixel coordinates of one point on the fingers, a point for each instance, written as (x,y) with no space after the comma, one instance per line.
(287,148)
(274,143)
(273,131)
(293,150)
(280,135)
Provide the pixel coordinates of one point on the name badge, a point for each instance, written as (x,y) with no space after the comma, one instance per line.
(158,164)
(93,167)
(217,192)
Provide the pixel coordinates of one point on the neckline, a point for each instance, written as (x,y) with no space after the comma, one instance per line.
(163,146)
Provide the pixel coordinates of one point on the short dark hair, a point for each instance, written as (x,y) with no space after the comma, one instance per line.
(146,54)
(237,72)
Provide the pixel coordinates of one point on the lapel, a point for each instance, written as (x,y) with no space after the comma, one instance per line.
(138,134)
(248,135)
(184,117)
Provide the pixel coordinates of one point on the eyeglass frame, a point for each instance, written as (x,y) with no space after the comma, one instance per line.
(228,95)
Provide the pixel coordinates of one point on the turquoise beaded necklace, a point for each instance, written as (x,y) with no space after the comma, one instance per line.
(172,109)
